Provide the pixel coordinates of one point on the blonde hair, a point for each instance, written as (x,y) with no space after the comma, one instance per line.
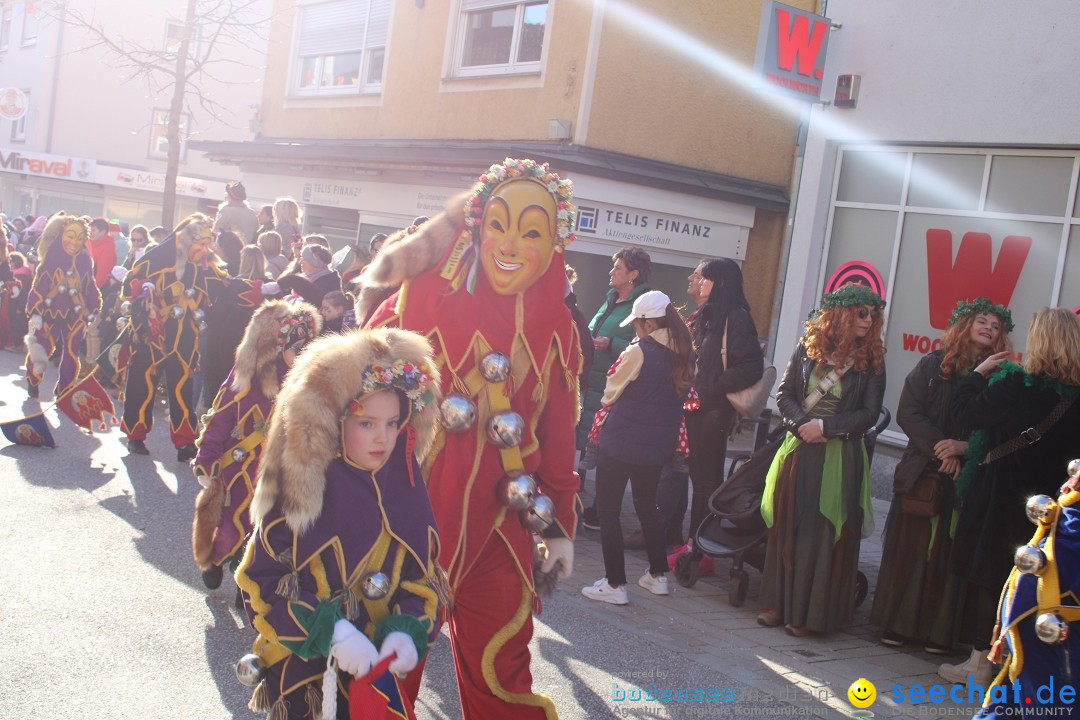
(252,263)
(1053,345)
(286,209)
(270,243)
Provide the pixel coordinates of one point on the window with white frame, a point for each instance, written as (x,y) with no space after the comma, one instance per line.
(29,25)
(159,140)
(18,127)
(5,27)
(500,37)
(341,47)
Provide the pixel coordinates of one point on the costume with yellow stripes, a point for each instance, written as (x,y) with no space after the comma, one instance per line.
(231,440)
(64,297)
(484,282)
(170,290)
(332,540)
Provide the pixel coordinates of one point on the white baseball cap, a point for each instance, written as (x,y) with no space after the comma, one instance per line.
(652,304)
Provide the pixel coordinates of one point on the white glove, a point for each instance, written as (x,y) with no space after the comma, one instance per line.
(14,291)
(36,322)
(353,651)
(559,549)
(400,643)
(204,479)
(269,288)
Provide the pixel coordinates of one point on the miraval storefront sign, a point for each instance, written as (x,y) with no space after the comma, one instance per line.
(55,166)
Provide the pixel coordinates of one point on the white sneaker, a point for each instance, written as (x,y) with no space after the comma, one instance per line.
(655,585)
(977,666)
(600,590)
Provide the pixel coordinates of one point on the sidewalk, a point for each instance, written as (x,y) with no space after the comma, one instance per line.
(700,623)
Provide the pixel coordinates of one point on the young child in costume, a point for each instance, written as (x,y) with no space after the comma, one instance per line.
(61,303)
(231,439)
(342,563)
(485,281)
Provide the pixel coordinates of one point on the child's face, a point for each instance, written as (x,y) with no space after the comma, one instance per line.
(330,311)
(369,438)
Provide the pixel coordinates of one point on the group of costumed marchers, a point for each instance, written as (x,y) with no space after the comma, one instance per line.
(340,575)
(233,429)
(168,292)
(484,282)
(62,302)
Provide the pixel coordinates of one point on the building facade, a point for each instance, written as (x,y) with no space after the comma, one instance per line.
(377,111)
(956,174)
(92,137)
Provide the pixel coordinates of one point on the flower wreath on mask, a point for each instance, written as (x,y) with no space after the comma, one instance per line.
(511,168)
(295,330)
(981,306)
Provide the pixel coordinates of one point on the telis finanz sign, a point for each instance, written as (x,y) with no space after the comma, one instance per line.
(791,50)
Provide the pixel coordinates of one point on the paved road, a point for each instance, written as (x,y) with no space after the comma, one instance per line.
(103,615)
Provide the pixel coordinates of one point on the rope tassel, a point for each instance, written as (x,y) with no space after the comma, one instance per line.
(329,690)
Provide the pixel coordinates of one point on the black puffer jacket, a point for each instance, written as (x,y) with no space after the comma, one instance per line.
(860,401)
(745,363)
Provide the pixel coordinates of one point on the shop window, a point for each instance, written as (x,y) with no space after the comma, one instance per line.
(29,25)
(872,177)
(1070,279)
(18,127)
(941,180)
(5,27)
(499,37)
(341,47)
(159,142)
(1029,185)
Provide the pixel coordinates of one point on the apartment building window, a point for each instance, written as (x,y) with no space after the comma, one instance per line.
(341,47)
(5,27)
(18,127)
(174,35)
(159,142)
(29,25)
(499,37)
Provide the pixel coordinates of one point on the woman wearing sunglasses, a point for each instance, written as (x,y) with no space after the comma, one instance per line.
(817,492)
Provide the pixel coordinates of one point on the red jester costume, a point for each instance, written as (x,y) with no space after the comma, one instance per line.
(62,301)
(484,282)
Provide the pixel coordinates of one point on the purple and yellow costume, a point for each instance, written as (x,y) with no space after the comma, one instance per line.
(64,295)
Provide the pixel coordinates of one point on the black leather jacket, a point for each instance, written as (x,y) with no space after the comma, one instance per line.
(859,406)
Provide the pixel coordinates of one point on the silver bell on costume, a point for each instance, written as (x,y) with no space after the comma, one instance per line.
(238,455)
(199,314)
(506,429)
(121,323)
(375,586)
(125,307)
(495,367)
(1074,468)
(250,670)
(48,302)
(202,325)
(1041,509)
(189,293)
(177,311)
(457,413)
(61,289)
(1051,628)
(516,492)
(540,516)
(78,309)
(70,273)
(1029,560)
(73,291)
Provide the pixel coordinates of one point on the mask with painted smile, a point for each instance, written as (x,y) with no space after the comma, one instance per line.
(517,235)
(200,247)
(74,238)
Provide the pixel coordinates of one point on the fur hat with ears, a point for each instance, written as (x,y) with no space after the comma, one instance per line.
(407,254)
(275,326)
(305,426)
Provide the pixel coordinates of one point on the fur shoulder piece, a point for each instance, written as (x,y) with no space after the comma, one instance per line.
(406,255)
(305,426)
(270,330)
(54,228)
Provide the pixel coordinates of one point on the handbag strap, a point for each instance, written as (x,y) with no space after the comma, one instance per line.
(826,384)
(1032,435)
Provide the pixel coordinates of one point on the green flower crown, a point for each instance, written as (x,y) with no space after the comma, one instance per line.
(409,378)
(850,295)
(511,168)
(981,306)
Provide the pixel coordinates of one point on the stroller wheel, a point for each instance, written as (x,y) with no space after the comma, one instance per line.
(740,583)
(862,587)
(686,568)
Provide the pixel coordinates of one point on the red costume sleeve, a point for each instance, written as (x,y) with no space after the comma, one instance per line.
(555,434)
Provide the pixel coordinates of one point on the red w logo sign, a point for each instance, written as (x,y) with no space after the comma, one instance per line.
(974,272)
(797,41)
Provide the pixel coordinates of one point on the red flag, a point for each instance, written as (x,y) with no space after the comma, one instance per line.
(379,696)
(87,403)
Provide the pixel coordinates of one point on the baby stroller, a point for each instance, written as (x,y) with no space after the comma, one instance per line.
(735,528)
